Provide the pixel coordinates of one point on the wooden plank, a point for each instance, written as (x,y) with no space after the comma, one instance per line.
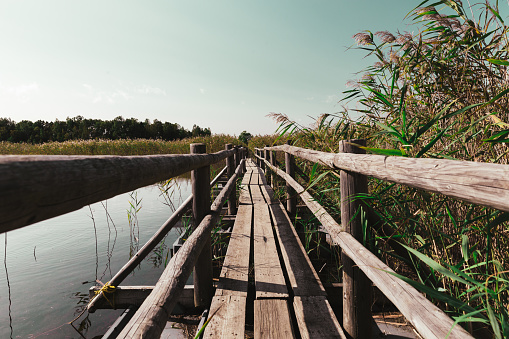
(245,195)
(316,319)
(228,317)
(233,279)
(303,278)
(247,178)
(478,183)
(36,188)
(268,194)
(125,296)
(256,194)
(272,319)
(269,279)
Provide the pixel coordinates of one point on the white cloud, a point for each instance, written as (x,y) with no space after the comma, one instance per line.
(20,90)
(202,91)
(145,89)
(331,98)
(310,98)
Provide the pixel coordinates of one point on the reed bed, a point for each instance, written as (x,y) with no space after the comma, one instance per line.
(440,92)
(122,147)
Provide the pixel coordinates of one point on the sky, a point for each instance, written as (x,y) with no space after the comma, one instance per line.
(218,64)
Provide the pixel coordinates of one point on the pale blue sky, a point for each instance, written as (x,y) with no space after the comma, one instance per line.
(218,64)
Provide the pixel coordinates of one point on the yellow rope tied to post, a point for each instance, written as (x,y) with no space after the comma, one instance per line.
(107,289)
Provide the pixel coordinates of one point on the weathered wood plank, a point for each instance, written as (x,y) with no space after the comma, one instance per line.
(35,188)
(233,279)
(245,195)
(150,319)
(272,319)
(228,317)
(316,319)
(125,296)
(268,194)
(256,194)
(269,279)
(478,183)
(303,278)
(428,319)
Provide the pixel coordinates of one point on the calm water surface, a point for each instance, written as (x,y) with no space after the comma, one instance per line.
(52,264)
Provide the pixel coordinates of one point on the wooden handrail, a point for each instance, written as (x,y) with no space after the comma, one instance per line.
(428,319)
(150,244)
(150,319)
(35,188)
(478,183)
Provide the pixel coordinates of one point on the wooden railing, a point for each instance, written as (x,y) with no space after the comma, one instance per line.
(35,188)
(479,183)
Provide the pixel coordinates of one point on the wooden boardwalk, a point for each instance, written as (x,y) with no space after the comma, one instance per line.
(264,247)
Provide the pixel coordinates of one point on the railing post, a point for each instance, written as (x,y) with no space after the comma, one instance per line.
(230,169)
(357,292)
(202,274)
(291,198)
(262,163)
(236,158)
(272,155)
(267,158)
(244,156)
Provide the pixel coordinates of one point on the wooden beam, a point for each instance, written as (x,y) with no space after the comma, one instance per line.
(233,279)
(303,278)
(202,274)
(269,278)
(272,319)
(478,183)
(36,188)
(316,319)
(356,287)
(228,320)
(125,296)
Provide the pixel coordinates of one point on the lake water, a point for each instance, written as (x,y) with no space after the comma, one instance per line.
(52,264)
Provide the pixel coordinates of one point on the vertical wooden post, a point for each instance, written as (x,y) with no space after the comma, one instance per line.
(272,155)
(202,274)
(262,164)
(357,292)
(230,169)
(267,158)
(244,156)
(236,158)
(291,198)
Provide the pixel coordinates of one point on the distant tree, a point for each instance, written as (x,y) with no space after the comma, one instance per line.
(245,137)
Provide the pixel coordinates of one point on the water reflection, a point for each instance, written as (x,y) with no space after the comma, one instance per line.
(58,260)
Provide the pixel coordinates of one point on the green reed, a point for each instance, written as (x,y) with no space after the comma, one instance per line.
(440,92)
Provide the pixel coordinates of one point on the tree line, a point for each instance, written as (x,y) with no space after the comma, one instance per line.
(79,128)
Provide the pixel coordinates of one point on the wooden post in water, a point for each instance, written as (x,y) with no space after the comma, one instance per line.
(291,198)
(230,169)
(202,274)
(267,158)
(357,292)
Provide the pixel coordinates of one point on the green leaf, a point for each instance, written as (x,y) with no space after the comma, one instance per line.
(494,322)
(383,151)
(499,95)
(379,96)
(464,247)
(460,305)
(499,62)
(432,142)
(436,266)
